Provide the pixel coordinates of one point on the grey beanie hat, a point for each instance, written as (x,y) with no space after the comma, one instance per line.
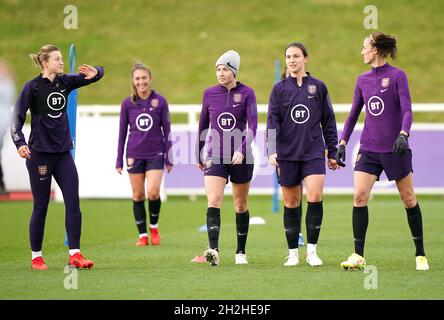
(231,59)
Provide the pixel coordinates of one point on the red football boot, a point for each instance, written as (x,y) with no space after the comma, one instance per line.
(143,241)
(38,264)
(78,261)
(155,238)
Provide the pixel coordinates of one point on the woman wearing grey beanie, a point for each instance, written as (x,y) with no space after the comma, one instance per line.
(227,108)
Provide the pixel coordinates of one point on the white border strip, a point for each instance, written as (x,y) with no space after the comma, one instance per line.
(262,108)
(269,191)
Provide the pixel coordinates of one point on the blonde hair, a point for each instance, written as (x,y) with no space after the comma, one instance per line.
(137,66)
(43,55)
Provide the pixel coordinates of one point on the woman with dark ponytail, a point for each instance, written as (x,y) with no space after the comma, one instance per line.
(301,136)
(384,146)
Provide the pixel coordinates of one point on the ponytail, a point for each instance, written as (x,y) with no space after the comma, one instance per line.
(42,55)
(385,43)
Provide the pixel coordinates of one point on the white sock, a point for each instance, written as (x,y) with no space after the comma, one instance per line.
(153,226)
(36,254)
(293,252)
(311,248)
(73,251)
(143,235)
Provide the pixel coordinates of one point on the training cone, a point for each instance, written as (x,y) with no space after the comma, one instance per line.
(257,220)
(199,259)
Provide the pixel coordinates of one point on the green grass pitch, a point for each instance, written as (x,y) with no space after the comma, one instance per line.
(123,271)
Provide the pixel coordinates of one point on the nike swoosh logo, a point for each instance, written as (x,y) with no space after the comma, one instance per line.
(310,97)
(130,167)
(41,179)
(228,64)
(384,90)
(63,90)
(236,105)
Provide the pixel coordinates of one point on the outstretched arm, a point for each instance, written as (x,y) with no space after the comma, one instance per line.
(87,75)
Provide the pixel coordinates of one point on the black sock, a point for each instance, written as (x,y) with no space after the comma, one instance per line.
(300,213)
(414,218)
(2,184)
(360,224)
(292,226)
(313,221)
(242,224)
(154,208)
(213,227)
(140,215)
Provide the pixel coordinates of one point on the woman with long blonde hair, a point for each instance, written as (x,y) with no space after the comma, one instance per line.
(146,114)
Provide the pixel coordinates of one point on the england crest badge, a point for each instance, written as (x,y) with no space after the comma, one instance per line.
(43,170)
(312,89)
(155,103)
(237,97)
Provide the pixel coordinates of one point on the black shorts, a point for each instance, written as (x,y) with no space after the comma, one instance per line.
(238,173)
(291,173)
(143,165)
(395,167)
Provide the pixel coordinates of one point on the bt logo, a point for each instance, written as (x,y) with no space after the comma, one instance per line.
(56,102)
(226,121)
(300,114)
(144,122)
(375,106)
